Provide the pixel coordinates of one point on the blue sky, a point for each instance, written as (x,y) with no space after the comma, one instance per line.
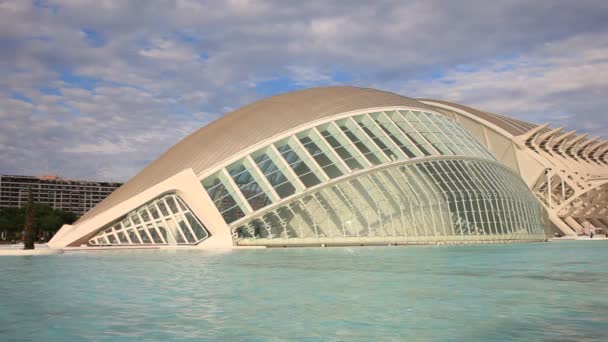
(98,89)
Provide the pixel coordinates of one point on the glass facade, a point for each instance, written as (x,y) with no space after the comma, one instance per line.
(393,176)
(332,150)
(162,221)
(439,200)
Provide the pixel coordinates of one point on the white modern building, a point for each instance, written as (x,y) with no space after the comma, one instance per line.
(566,171)
(338,166)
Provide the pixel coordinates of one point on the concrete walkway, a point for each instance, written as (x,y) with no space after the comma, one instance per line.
(17,250)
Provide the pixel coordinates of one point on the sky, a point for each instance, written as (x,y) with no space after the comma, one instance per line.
(98,89)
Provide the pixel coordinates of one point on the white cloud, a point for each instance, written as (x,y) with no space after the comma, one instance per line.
(161,69)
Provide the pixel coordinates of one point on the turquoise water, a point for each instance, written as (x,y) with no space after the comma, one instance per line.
(544,291)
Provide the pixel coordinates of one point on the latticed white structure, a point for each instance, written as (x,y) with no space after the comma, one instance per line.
(567,172)
(323,166)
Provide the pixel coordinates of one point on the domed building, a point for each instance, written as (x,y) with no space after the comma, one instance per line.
(322,167)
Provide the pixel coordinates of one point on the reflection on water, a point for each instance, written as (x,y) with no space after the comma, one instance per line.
(551,291)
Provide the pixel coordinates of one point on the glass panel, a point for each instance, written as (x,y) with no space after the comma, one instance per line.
(342,148)
(324,161)
(134,238)
(153,211)
(378,137)
(249,187)
(275,177)
(199,231)
(154,234)
(361,141)
(163,208)
(443,200)
(144,236)
(171,203)
(111,238)
(223,200)
(122,238)
(299,167)
(161,231)
(185,230)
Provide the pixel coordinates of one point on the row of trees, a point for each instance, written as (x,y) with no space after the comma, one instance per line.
(44,221)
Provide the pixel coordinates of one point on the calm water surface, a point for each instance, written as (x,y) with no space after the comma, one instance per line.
(550,291)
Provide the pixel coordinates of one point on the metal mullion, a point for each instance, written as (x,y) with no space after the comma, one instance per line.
(528,218)
(452,136)
(498,196)
(352,145)
(449,175)
(165,219)
(506,200)
(335,208)
(343,200)
(361,137)
(268,175)
(326,150)
(452,128)
(507,206)
(394,195)
(432,123)
(134,227)
(485,214)
(475,189)
(236,192)
(369,138)
(324,176)
(407,197)
(519,205)
(515,202)
(182,213)
(331,150)
(439,167)
(310,215)
(433,191)
(224,196)
(481,190)
(188,226)
(481,177)
(414,180)
(124,230)
(274,197)
(480,148)
(353,212)
(401,174)
(464,199)
(153,220)
(425,187)
(373,197)
(215,186)
(238,174)
(428,130)
(289,207)
(145,229)
(369,176)
(473,193)
(381,131)
(460,132)
(355,192)
(399,131)
(268,226)
(281,160)
(172,215)
(430,144)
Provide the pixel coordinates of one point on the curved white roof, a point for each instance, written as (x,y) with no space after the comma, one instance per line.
(236,131)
